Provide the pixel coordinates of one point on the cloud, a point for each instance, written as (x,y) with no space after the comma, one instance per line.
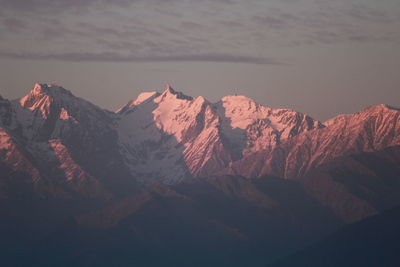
(328,37)
(34,5)
(190,25)
(365,13)
(328,23)
(115,57)
(14,24)
(63,5)
(231,23)
(276,22)
(300,20)
(37,5)
(75,6)
(181,31)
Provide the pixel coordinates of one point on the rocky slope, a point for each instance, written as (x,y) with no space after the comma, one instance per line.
(169,136)
(84,186)
(164,137)
(372,129)
(62,142)
(69,145)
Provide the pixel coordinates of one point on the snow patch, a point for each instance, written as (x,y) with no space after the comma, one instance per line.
(64,115)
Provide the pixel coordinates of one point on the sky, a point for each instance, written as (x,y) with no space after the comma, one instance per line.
(320,57)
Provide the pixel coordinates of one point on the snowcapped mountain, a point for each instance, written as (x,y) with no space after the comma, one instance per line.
(62,142)
(372,129)
(169,136)
(90,186)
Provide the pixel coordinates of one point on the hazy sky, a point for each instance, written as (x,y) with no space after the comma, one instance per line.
(321,57)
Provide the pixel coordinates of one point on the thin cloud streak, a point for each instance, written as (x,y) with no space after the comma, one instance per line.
(114,57)
(330,25)
(64,5)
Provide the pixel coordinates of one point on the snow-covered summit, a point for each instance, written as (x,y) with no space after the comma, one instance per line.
(49,89)
(169,92)
(141,98)
(167,136)
(144,96)
(38,99)
(241,110)
(50,111)
(381,109)
(42,96)
(194,137)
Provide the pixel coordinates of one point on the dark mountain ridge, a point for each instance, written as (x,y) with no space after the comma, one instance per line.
(230,183)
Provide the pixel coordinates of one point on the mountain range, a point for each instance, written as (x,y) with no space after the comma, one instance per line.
(196,183)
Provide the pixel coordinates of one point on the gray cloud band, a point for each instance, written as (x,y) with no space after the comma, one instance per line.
(114,57)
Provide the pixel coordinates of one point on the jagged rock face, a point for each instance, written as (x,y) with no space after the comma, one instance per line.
(51,112)
(63,142)
(253,127)
(372,129)
(61,156)
(170,136)
(164,137)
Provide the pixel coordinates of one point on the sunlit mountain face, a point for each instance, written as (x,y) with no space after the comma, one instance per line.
(173,180)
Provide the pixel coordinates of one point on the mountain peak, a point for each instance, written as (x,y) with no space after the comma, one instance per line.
(167,93)
(378,109)
(42,95)
(141,98)
(38,88)
(236,99)
(168,88)
(49,89)
(241,106)
(383,107)
(170,92)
